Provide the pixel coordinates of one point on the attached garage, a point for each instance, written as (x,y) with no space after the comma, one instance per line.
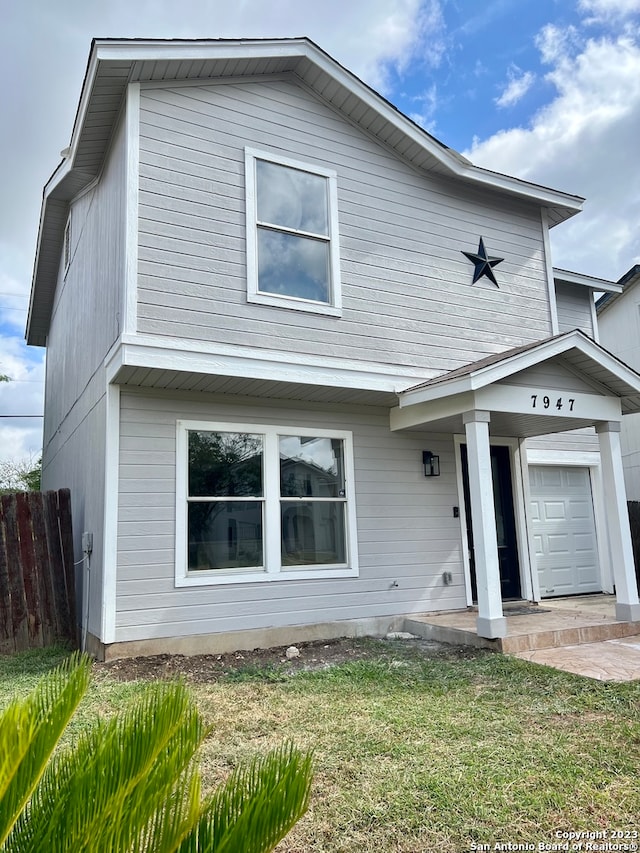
(564,532)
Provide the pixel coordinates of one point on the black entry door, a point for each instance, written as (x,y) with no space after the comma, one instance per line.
(505,522)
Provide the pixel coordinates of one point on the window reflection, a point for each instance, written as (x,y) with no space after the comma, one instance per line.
(291,198)
(313,533)
(225,464)
(225,535)
(311,467)
(224,532)
(293,266)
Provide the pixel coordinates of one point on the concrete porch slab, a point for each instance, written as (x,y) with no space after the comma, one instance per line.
(561,622)
(578,634)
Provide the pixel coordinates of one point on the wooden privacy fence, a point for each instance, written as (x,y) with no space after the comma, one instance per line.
(37,595)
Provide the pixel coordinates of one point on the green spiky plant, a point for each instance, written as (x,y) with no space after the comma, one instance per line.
(130,784)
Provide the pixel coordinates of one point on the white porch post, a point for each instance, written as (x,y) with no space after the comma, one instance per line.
(491,622)
(624,574)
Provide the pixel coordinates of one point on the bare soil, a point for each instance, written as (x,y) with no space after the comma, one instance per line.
(276,662)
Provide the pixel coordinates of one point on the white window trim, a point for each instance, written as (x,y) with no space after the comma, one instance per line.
(332,308)
(272,571)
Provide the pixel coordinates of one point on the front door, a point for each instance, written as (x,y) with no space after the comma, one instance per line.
(505,522)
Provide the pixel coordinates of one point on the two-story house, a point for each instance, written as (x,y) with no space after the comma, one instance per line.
(304,360)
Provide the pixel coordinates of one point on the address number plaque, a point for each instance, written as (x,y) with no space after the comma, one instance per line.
(548,401)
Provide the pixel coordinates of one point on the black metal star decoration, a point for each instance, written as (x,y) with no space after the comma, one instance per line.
(483,264)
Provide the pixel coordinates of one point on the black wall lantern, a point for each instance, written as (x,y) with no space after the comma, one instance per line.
(431,464)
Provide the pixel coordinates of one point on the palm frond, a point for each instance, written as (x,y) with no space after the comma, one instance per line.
(17,727)
(257,805)
(118,780)
(39,721)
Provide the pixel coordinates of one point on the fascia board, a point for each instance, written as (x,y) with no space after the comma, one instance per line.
(303,48)
(35,273)
(228,361)
(545,196)
(586,280)
(496,372)
(139,50)
(459,165)
(483,376)
(83,104)
(408,378)
(436,392)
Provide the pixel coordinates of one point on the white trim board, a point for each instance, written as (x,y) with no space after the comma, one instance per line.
(249,362)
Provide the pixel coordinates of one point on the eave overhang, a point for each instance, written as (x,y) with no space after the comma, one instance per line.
(113,64)
(590,281)
(168,365)
(604,389)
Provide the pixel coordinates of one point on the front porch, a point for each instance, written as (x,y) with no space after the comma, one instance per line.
(559,622)
(565,383)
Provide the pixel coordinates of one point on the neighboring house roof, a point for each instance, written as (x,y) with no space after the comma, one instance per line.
(114,63)
(578,351)
(627,281)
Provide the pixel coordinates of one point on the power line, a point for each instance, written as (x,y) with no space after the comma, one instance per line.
(21,416)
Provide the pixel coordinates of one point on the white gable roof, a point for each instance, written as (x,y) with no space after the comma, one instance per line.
(114,63)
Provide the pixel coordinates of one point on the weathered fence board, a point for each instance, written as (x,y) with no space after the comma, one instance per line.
(37,595)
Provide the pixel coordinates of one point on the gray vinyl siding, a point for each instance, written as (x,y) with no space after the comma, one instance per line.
(406,530)
(88,302)
(574,308)
(406,287)
(581,440)
(75,460)
(619,326)
(84,325)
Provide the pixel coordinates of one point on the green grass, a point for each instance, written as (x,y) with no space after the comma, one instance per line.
(416,754)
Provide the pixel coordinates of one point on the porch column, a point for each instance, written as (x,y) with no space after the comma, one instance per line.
(491,622)
(615,498)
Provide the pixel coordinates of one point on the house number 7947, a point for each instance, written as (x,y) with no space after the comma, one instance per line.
(546,402)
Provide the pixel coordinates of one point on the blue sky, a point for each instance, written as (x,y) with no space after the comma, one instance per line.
(548,90)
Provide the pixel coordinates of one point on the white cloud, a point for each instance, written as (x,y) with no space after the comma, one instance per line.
(427,105)
(606,10)
(20,437)
(518,85)
(556,43)
(584,141)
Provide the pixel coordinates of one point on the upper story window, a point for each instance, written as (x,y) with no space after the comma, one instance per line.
(292,234)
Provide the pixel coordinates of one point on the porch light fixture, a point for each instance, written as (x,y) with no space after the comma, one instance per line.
(431,464)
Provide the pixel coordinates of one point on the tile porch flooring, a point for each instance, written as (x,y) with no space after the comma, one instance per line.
(578,634)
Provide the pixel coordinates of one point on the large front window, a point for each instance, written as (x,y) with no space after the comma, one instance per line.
(258,503)
(292,253)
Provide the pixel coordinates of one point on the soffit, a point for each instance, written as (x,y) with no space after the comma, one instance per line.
(206,383)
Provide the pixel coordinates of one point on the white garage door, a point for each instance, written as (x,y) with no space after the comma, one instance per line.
(564,530)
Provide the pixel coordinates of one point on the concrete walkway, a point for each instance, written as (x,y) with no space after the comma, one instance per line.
(579,634)
(609,660)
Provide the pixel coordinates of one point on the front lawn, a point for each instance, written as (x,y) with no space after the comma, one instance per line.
(418,749)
